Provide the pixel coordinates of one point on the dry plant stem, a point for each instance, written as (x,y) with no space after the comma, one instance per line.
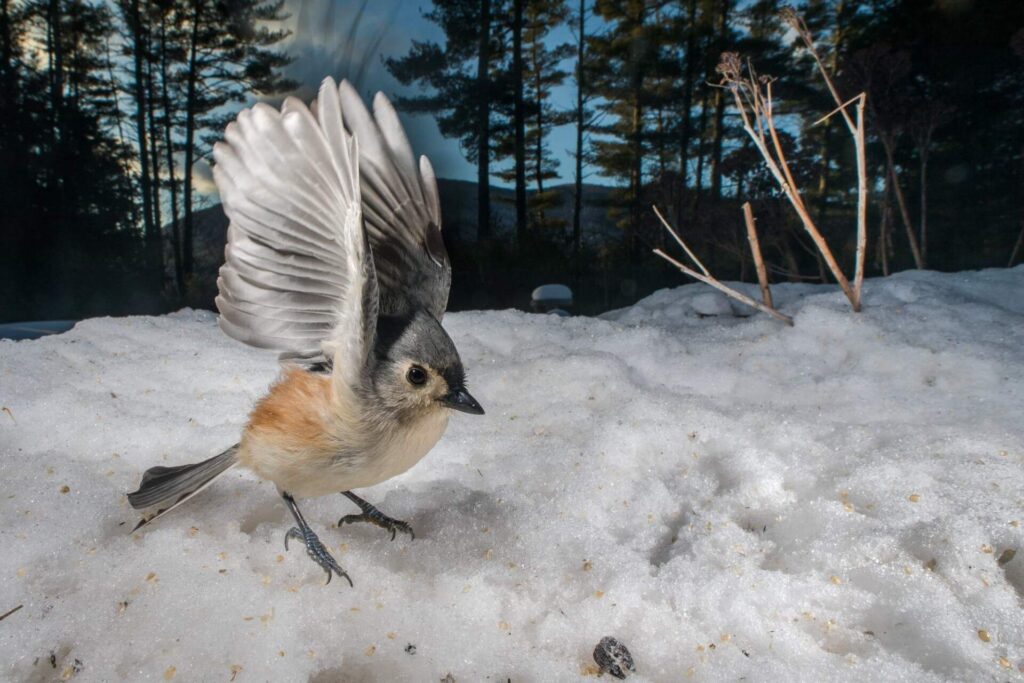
(732,293)
(862,203)
(857,131)
(755,248)
(780,170)
(1016,247)
(709,279)
(680,242)
(805,35)
(10,612)
(901,202)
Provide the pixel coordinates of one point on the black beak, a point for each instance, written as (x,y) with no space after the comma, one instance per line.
(459,399)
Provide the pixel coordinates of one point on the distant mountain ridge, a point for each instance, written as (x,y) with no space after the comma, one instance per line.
(458,213)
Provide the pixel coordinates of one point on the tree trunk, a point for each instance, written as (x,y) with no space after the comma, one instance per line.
(637,134)
(716,147)
(179,280)
(923,228)
(138,48)
(719,122)
(689,70)
(519,118)
(636,173)
(55,47)
(538,86)
(134,208)
(825,150)
(698,178)
(154,154)
(577,207)
(483,144)
(187,263)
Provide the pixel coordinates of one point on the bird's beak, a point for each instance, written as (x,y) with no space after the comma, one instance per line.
(459,399)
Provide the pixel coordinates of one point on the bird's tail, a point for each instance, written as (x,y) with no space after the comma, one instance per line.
(161,485)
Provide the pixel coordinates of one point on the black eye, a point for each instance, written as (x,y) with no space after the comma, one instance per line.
(416,375)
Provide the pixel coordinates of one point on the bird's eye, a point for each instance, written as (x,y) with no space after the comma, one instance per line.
(416,375)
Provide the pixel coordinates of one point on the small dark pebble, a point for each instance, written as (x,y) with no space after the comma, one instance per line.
(410,649)
(613,658)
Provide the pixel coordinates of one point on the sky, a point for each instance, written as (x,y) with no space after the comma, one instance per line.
(320,47)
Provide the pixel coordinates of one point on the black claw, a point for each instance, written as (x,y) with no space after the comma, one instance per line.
(293,532)
(377,518)
(318,553)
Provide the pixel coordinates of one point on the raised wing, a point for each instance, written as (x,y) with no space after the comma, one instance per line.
(401,208)
(298,273)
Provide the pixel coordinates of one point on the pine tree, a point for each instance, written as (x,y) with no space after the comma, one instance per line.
(533,119)
(460,76)
(229,58)
(68,210)
(625,53)
(134,14)
(581,118)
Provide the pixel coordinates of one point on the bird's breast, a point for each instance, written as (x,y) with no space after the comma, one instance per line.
(308,443)
(394,452)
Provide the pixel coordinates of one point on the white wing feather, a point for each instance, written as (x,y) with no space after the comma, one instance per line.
(298,275)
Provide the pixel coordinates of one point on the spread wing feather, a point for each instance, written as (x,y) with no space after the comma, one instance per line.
(401,208)
(298,273)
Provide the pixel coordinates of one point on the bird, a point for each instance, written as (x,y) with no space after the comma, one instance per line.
(334,258)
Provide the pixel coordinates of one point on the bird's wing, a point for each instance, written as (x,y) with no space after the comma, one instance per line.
(298,273)
(401,207)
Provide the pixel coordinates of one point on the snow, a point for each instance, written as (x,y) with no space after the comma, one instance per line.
(726,496)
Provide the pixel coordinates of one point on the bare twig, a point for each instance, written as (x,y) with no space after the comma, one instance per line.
(679,240)
(796,22)
(732,293)
(754,92)
(862,203)
(1016,247)
(709,279)
(835,111)
(755,248)
(10,612)
(775,158)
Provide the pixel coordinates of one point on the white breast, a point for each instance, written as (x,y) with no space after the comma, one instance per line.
(378,458)
(329,447)
(400,449)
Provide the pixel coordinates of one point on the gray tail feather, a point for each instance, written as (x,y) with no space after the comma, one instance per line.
(178,484)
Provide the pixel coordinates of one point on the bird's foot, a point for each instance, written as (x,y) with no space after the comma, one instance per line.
(378,518)
(317,552)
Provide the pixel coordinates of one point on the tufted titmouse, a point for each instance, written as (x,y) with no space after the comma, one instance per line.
(334,257)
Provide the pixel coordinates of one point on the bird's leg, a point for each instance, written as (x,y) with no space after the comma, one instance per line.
(314,548)
(374,516)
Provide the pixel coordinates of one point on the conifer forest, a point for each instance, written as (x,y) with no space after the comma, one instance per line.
(110,108)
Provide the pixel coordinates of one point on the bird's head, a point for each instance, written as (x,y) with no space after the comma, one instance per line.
(418,368)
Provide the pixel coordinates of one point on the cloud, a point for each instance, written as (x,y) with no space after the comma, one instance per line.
(202,179)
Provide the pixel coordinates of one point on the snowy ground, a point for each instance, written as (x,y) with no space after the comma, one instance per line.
(729,497)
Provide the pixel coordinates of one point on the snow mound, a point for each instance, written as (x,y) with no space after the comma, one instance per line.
(726,496)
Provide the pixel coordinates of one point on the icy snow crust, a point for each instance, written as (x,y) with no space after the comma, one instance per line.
(728,497)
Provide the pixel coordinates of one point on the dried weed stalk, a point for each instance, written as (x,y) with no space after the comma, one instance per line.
(753,97)
(707,278)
